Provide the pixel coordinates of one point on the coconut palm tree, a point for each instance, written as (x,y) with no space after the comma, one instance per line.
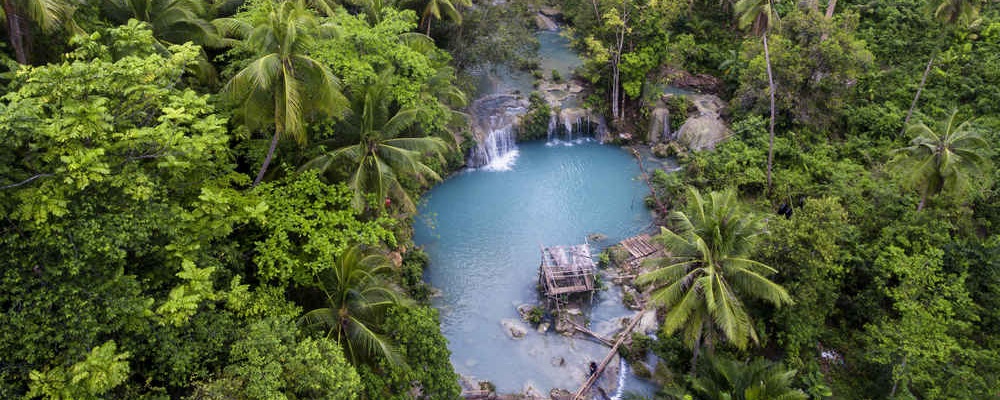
(282,86)
(760,17)
(357,299)
(434,9)
(381,156)
(944,159)
(950,13)
(727,379)
(703,283)
(172,21)
(46,14)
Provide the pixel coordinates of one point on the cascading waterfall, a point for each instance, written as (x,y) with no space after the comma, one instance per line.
(497,152)
(573,125)
(623,371)
(496,119)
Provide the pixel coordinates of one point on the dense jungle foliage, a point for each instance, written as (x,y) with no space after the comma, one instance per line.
(212,199)
(883,232)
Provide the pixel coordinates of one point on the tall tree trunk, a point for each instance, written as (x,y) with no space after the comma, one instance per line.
(923,200)
(895,382)
(770,83)
(920,89)
(830,6)
(16,32)
(267,159)
(614,92)
(696,350)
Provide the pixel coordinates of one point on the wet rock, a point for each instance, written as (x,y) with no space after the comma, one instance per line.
(543,22)
(531,393)
(543,327)
(560,394)
(597,237)
(647,323)
(564,326)
(631,297)
(573,311)
(524,310)
(514,329)
(558,362)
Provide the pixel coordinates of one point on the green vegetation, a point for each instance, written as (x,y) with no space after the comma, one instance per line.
(881,227)
(702,283)
(535,123)
(141,260)
(212,199)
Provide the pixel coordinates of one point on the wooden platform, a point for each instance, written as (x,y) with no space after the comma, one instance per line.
(566,270)
(640,248)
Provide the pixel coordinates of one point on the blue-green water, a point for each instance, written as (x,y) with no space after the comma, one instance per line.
(483,231)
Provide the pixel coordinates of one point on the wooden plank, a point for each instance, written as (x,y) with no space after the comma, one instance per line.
(604,363)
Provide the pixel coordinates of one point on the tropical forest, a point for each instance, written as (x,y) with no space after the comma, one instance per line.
(500,199)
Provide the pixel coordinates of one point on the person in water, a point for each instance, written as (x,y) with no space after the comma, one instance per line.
(593,367)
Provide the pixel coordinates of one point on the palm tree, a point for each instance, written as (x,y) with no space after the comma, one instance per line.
(434,8)
(381,156)
(949,13)
(172,21)
(733,380)
(283,85)
(944,159)
(760,16)
(46,14)
(703,282)
(357,299)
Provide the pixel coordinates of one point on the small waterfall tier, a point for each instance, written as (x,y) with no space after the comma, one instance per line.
(574,124)
(495,120)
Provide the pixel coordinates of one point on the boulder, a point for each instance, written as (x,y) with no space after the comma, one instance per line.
(659,124)
(703,83)
(545,23)
(647,322)
(597,237)
(551,12)
(514,329)
(543,327)
(707,129)
(702,133)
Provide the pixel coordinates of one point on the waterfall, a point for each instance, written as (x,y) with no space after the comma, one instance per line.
(497,152)
(553,127)
(495,128)
(623,372)
(575,125)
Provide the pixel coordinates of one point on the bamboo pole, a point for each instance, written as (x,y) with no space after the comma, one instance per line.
(604,363)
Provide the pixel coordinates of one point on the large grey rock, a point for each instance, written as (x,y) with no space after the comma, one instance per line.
(706,130)
(659,124)
(514,329)
(545,23)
